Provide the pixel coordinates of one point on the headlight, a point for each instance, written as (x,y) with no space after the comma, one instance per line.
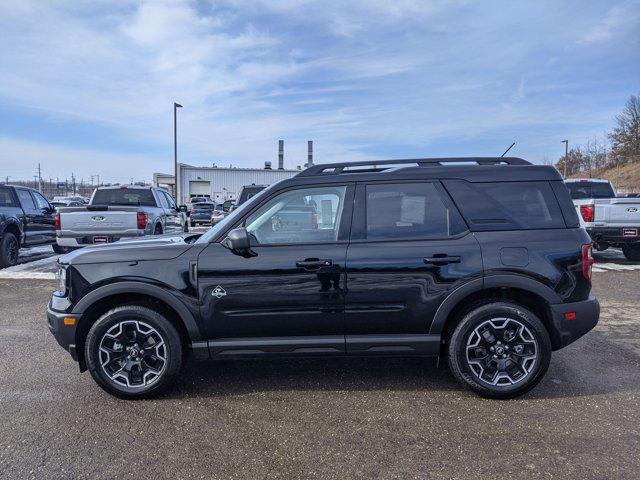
(62,280)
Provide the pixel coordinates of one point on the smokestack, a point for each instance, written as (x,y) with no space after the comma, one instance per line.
(310,153)
(267,165)
(280,154)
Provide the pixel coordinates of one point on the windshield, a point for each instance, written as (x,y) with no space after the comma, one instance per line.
(231,218)
(124,196)
(583,190)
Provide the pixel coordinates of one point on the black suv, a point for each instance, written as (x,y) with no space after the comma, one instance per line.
(481,260)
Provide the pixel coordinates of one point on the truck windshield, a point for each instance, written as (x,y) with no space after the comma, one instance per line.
(124,196)
(582,190)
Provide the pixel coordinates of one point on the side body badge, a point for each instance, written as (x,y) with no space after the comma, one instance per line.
(219,292)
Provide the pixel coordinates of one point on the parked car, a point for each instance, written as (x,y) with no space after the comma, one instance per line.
(482,262)
(202,213)
(120,212)
(26,220)
(610,220)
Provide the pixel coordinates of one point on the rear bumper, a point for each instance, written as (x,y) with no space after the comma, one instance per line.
(613,235)
(568,330)
(82,240)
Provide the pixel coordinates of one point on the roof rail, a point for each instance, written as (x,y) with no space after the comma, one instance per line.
(382,165)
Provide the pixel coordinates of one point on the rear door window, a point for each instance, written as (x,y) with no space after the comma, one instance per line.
(506,205)
(409,211)
(25,199)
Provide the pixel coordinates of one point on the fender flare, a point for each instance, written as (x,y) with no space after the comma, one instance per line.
(492,281)
(146,289)
(12,222)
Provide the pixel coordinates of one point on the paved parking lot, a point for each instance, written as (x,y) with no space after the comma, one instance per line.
(382,418)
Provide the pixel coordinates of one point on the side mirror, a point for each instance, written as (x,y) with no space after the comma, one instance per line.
(183,208)
(238,240)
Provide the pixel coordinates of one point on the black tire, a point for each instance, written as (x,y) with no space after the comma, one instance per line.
(60,249)
(9,249)
(465,335)
(185,229)
(121,319)
(193,224)
(157,230)
(632,251)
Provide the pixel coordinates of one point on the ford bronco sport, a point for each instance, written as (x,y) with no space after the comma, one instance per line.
(481,260)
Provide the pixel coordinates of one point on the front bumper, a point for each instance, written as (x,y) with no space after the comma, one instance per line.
(572,320)
(64,333)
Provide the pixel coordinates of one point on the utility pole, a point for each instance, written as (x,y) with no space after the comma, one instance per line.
(39,178)
(566,156)
(73,183)
(177,192)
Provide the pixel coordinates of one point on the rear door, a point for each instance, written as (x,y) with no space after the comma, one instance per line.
(45,218)
(28,205)
(409,249)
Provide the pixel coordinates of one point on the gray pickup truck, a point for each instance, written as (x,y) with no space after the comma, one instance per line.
(120,212)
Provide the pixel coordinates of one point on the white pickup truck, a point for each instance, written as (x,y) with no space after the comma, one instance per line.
(119,212)
(612,221)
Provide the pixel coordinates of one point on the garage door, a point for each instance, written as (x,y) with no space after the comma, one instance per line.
(199,188)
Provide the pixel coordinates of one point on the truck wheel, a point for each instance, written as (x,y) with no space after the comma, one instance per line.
(133,351)
(60,249)
(632,251)
(9,249)
(499,350)
(157,230)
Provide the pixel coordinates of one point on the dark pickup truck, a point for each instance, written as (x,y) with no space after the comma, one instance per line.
(27,219)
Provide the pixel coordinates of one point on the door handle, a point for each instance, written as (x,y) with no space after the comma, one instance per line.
(441,260)
(314,263)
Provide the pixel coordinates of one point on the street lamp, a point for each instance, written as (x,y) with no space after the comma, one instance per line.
(566,155)
(176,106)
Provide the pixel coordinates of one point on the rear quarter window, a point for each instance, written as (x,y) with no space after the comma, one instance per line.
(506,205)
(6,199)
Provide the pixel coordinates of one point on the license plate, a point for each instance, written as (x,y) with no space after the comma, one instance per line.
(629,232)
(100,239)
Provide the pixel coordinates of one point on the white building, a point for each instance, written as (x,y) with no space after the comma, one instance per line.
(218,183)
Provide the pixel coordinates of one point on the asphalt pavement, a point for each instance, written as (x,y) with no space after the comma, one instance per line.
(321,418)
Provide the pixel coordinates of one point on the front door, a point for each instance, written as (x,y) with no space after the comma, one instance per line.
(287,295)
(44,218)
(409,249)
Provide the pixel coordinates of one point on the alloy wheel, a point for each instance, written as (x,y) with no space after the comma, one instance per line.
(501,351)
(133,354)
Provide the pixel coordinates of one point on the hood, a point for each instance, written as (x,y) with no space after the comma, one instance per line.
(157,247)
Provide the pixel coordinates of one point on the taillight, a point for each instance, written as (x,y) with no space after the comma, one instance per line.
(57,221)
(587,212)
(142,220)
(587,260)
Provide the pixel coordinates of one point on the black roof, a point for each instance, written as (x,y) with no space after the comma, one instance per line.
(472,169)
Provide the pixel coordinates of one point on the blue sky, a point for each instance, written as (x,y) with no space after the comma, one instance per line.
(88,87)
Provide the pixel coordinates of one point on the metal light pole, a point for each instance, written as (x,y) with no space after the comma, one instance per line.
(566,156)
(176,106)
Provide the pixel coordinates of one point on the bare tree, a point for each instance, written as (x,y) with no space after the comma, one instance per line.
(625,137)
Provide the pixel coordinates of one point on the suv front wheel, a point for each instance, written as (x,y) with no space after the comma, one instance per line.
(499,350)
(133,351)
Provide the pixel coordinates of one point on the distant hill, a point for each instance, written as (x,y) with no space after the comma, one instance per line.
(626,178)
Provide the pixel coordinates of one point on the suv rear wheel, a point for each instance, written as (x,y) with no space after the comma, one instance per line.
(632,251)
(133,352)
(499,350)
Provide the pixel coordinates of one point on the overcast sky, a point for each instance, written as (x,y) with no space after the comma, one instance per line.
(88,87)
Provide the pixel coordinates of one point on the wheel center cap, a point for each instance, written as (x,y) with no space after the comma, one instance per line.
(500,350)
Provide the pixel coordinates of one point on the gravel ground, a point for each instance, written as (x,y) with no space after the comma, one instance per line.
(364,418)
